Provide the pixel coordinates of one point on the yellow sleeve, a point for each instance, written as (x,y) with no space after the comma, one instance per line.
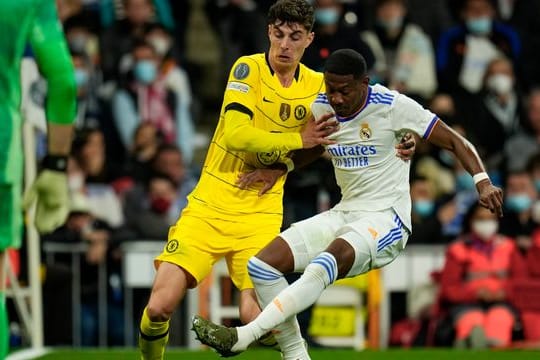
(240,135)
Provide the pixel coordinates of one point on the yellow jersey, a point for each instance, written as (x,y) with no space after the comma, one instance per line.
(278,115)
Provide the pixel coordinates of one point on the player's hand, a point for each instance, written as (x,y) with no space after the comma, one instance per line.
(406,147)
(267,176)
(50,190)
(490,196)
(316,131)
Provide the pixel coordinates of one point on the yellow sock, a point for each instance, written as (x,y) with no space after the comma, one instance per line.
(153,337)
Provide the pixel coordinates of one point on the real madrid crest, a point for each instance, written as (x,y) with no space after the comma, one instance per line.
(365,132)
(284,111)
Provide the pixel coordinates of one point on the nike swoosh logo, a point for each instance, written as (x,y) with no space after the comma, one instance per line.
(266,100)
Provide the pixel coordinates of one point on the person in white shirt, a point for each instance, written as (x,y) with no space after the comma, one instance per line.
(370,226)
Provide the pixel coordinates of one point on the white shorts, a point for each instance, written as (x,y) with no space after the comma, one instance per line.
(377,237)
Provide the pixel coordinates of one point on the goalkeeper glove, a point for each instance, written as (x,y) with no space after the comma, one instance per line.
(51,192)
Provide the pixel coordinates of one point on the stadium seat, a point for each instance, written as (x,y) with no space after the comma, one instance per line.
(218,310)
(338,319)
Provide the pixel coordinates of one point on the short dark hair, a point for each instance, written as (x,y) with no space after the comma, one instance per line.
(142,43)
(466,227)
(158,176)
(465,3)
(380,3)
(346,62)
(292,11)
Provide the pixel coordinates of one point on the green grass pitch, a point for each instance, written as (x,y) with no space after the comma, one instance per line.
(257,354)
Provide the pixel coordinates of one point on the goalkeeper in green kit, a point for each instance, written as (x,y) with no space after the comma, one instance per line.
(34,23)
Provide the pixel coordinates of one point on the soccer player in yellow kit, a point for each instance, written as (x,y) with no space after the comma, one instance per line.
(264,116)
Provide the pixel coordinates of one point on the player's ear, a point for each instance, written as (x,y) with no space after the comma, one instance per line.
(310,38)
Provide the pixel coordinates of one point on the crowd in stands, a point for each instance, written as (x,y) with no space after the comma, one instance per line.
(473,62)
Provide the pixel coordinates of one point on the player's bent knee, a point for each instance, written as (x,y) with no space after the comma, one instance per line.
(163,303)
(158,311)
(356,258)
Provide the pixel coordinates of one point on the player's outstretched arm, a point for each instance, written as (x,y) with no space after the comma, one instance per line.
(50,187)
(443,136)
(239,134)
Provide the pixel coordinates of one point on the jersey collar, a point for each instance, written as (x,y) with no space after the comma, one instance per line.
(348,118)
(296,72)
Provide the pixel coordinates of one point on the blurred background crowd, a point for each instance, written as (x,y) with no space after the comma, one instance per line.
(150,76)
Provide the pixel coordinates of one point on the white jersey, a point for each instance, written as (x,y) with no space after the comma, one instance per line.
(370,175)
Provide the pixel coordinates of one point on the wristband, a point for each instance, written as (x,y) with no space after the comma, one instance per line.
(479,177)
(55,162)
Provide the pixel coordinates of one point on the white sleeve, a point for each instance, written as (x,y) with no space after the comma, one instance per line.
(407,114)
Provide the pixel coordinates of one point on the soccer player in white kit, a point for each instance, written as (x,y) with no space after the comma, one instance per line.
(370,226)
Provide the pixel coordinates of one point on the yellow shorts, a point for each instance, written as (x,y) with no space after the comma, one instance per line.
(196,243)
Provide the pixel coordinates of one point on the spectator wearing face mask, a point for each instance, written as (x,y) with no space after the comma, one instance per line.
(82,37)
(523,145)
(145,97)
(332,33)
(427,219)
(523,16)
(434,163)
(474,282)
(496,110)
(173,74)
(169,161)
(404,55)
(461,197)
(149,205)
(120,37)
(464,51)
(151,210)
(518,221)
(89,105)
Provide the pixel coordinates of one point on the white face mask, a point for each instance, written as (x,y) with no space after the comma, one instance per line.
(500,84)
(161,45)
(75,182)
(485,229)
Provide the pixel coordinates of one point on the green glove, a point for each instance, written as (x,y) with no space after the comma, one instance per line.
(51,192)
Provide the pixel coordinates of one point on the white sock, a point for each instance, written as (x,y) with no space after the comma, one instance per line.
(269,282)
(321,272)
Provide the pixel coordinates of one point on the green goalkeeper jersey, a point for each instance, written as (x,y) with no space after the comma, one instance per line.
(34,23)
